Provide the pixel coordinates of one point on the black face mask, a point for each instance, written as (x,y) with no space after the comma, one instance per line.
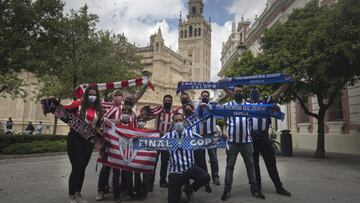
(167,106)
(184,101)
(205,100)
(238,97)
(188,112)
(127,102)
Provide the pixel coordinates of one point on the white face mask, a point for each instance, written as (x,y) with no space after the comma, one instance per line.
(141,124)
(125,118)
(179,126)
(92,98)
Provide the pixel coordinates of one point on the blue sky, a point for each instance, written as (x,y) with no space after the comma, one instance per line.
(138,19)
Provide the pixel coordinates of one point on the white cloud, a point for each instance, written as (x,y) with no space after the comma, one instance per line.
(219,34)
(139,19)
(248,8)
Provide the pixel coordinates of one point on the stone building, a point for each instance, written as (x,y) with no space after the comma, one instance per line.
(342,124)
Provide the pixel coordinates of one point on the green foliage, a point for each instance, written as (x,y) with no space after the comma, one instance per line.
(12,144)
(25,28)
(36,147)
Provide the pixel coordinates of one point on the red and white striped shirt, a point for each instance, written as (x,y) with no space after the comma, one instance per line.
(163,121)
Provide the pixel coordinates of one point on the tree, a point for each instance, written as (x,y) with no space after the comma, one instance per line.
(320,47)
(83,55)
(25,26)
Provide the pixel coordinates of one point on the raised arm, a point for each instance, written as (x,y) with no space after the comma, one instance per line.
(279,91)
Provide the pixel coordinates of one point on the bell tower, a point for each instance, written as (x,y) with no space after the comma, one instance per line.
(195,41)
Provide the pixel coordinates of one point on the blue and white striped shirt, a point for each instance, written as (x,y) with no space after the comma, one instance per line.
(181,160)
(207,126)
(260,124)
(238,127)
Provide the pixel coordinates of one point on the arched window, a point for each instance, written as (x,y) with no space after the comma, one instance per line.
(190,30)
(181,34)
(199,31)
(185,34)
(193,10)
(195,32)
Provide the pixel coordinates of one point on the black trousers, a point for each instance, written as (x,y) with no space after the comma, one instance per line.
(142,184)
(163,166)
(127,182)
(104,180)
(79,151)
(177,180)
(200,159)
(262,144)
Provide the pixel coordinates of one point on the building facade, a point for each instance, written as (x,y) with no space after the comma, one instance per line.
(342,124)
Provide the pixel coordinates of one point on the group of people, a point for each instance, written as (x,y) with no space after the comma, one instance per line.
(30,128)
(182,170)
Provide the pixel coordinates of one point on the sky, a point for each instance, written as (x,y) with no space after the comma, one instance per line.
(138,19)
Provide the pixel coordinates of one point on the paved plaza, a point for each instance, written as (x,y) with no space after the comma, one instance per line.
(335,179)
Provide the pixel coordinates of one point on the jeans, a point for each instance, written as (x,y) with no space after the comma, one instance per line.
(127,182)
(104,178)
(163,166)
(263,145)
(214,164)
(79,152)
(246,151)
(177,180)
(200,159)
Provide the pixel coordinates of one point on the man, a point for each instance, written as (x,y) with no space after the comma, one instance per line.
(9,126)
(163,123)
(30,128)
(141,186)
(259,129)
(209,127)
(182,166)
(113,113)
(239,142)
(39,128)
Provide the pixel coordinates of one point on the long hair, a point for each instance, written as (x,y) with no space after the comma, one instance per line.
(97,105)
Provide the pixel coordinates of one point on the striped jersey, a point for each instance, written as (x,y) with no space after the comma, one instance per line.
(91,116)
(238,127)
(260,124)
(163,121)
(181,160)
(206,127)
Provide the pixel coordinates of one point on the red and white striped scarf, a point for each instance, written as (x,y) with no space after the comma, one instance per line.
(80,90)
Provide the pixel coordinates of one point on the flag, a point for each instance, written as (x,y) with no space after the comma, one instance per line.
(121,152)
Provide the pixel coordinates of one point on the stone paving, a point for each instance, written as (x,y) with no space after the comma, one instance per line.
(335,179)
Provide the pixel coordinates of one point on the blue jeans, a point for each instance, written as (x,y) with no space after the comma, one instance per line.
(247,152)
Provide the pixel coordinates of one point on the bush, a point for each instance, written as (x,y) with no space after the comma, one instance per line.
(36,147)
(13,141)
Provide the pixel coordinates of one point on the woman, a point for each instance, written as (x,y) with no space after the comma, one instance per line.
(79,150)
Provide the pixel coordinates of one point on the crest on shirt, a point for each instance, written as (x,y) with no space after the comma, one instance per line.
(126,148)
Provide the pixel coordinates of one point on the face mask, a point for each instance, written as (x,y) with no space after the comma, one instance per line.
(187,112)
(254,96)
(125,118)
(127,102)
(167,105)
(184,101)
(92,98)
(141,124)
(205,100)
(179,126)
(238,97)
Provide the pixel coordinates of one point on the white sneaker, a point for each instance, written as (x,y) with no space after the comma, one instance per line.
(79,198)
(73,199)
(100,196)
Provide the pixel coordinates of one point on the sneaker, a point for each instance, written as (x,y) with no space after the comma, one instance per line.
(164,184)
(225,196)
(79,198)
(258,195)
(100,196)
(216,181)
(208,188)
(282,191)
(72,199)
